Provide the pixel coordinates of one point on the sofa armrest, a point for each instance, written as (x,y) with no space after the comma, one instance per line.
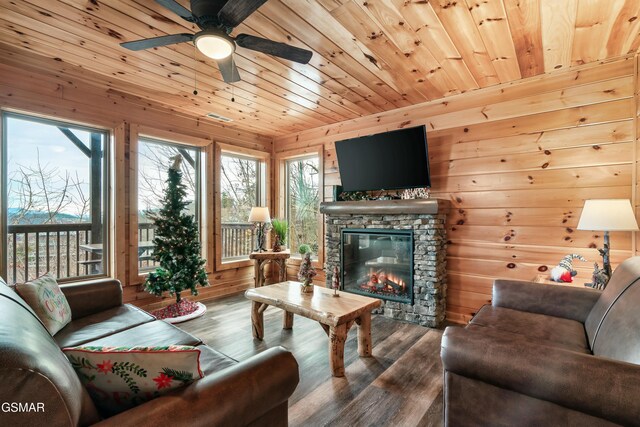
(236,396)
(558,301)
(92,297)
(597,386)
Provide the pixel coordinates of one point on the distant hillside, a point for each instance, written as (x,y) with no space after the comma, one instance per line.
(38,217)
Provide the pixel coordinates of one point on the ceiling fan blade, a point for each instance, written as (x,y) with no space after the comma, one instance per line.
(236,11)
(270,47)
(157,41)
(176,8)
(228,69)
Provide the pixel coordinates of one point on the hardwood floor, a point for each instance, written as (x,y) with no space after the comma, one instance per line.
(401,385)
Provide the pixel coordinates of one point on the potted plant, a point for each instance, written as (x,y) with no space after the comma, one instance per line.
(280,229)
(303,249)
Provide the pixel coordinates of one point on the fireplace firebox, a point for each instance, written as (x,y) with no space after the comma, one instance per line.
(378,263)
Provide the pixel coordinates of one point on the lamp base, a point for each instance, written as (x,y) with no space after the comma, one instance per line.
(260,236)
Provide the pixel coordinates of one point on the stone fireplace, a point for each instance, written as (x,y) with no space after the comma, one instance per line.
(394,250)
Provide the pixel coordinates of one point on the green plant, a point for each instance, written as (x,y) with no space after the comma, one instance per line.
(280,228)
(304,248)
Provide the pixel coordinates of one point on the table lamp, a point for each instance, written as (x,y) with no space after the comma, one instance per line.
(607,215)
(260,217)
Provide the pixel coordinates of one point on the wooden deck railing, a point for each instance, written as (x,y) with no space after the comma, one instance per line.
(238,240)
(34,249)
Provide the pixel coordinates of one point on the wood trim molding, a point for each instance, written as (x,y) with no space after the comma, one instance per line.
(119,182)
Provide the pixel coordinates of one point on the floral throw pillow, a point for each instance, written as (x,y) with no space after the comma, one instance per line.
(119,378)
(47,300)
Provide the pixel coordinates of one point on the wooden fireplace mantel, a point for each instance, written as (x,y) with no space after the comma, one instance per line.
(373,207)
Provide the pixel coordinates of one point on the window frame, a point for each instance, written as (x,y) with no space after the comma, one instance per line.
(137,133)
(264,159)
(106,181)
(281,160)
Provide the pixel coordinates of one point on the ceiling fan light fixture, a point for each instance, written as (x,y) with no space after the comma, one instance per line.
(215,45)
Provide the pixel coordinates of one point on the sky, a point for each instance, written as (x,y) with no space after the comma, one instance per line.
(28,140)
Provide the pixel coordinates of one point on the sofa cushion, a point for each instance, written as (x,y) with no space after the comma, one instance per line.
(517,337)
(553,330)
(94,326)
(618,337)
(212,361)
(119,378)
(624,276)
(47,300)
(157,333)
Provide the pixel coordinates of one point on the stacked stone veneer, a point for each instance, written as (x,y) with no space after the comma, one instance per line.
(429,260)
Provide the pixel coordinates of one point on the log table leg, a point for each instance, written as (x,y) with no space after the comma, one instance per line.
(364,334)
(257,320)
(337,337)
(287,321)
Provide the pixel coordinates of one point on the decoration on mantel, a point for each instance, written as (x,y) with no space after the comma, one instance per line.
(415,193)
(564,271)
(407,194)
(335,281)
(306,274)
(177,250)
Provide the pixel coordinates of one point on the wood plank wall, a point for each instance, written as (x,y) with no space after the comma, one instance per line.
(54,89)
(517,162)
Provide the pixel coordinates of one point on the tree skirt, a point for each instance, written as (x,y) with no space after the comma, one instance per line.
(180,312)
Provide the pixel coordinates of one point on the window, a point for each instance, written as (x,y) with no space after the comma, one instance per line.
(242,182)
(54,193)
(154,159)
(302,199)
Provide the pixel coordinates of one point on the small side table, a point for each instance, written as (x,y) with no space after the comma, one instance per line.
(261,259)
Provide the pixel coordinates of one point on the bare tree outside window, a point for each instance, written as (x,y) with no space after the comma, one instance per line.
(302,202)
(54,178)
(240,179)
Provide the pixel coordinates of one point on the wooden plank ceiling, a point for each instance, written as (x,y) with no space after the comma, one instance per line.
(369,56)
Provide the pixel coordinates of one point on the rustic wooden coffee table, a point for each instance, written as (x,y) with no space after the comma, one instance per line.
(335,315)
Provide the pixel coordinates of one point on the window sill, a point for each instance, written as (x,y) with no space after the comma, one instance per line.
(229,265)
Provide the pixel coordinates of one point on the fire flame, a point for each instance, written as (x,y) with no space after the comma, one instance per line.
(383,277)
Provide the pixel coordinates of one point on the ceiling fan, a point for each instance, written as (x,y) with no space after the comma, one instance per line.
(216,19)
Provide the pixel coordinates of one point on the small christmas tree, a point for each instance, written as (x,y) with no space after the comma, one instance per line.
(177,247)
(306,273)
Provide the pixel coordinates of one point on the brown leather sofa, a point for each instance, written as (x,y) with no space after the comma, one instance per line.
(548,355)
(33,369)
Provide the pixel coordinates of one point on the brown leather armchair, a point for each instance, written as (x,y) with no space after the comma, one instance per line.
(548,355)
(33,368)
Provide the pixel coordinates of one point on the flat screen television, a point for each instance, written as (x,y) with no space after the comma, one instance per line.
(385,161)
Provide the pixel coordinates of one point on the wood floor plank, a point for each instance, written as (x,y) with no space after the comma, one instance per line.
(401,384)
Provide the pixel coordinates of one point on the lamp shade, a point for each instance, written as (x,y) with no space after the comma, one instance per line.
(259,214)
(607,215)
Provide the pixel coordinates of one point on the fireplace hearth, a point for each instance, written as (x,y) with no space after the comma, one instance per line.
(378,262)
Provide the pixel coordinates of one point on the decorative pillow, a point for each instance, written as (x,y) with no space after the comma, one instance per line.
(119,378)
(47,300)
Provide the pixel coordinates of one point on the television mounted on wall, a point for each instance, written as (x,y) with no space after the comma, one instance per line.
(392,160)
